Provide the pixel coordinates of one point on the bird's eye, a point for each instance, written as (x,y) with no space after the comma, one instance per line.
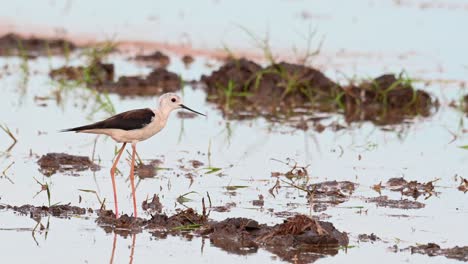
(173,100)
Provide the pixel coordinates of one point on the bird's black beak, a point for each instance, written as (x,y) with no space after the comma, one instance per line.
(184,107)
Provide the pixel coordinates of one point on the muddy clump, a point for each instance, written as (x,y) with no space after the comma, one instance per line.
(15,45)
(330,193)
(299,238)
(54,210)
(52,163)
(463,187)
(410,188)
(432,249)
(300,235)
(100,76)
(243,83)
(159,81)
(148,170)
(296,238)
(153,206)
(124,225)
(242,86)
(156,59)
(368,238)
(383,201)
(187,60)
(236,235)
(97,73)
(387,99)
(186,219)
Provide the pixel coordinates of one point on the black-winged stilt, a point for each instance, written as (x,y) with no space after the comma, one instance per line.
(132,127)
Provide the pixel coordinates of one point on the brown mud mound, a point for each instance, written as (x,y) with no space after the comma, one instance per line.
(387,99)
(124,225)
(235,235)
(241,86)
(54,210)
(156,59)
(159,81)
(383,201)
(187,60)
(100,76)
(330,193)
(299,237)
(62,162)
(242,83)
(303,238)
(432,249)
(97,73)
(184,220)
(15,45)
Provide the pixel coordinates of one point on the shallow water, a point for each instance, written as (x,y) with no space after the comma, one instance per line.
(423,150)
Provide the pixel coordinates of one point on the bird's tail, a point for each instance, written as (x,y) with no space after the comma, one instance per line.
(76,129)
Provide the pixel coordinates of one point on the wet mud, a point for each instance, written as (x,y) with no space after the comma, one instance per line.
(95,74)
(324,194)
(100,76)
(15,45)
(148,170)
(368,238)
(410,188)
(277,90)
(156,59)
(52,163)
(296,238)
(187,60)
(384,201)
(432,249)
(62,211)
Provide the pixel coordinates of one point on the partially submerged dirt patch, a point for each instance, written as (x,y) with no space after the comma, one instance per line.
(153,206)
(62,162)
(432,249)
(14,45)
(54,210)
(410,188)
(384,201)
(148,170)
(368,238)
(100,76)
(297,237)
(330,193)
(156,59)
(187,60)
(95,74)
(241,86)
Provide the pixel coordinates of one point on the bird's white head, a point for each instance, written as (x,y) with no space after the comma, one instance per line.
(171,101)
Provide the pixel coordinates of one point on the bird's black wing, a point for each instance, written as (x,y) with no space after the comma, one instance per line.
(130,120)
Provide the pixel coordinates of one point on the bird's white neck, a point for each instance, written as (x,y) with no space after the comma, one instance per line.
(162,113)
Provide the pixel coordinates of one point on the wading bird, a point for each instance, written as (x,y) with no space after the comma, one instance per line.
(132,127)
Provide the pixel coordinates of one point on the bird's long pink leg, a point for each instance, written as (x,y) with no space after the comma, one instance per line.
(132,179)
(112,172)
